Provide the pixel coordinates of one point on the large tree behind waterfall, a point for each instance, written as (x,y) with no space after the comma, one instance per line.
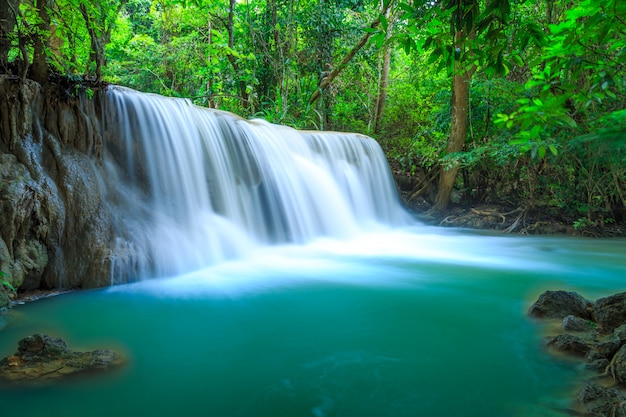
(464,19)
(463,37)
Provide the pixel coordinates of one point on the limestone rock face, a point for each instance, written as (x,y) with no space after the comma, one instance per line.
(41,358)
(56,221)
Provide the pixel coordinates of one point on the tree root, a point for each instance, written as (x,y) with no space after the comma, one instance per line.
(489,213)
(610,367)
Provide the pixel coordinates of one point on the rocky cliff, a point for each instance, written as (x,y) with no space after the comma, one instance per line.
(55,221)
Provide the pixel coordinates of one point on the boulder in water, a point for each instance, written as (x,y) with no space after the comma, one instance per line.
(620,333)
(576,324)
(610,312)
(617,368)
(559,304)
(598,401)
(41,358)
(603,350)
(568,343)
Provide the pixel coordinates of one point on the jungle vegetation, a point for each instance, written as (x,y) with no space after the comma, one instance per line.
(519,103)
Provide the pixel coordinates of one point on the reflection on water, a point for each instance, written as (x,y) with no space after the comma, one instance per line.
(419,322)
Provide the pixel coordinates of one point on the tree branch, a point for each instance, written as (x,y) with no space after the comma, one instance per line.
(346,59)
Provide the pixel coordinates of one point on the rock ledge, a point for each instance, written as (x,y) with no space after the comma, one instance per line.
(41,358)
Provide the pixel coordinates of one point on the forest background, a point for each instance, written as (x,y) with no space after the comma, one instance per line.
(515,103)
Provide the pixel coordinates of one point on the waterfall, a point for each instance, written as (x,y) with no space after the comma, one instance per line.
(200,186)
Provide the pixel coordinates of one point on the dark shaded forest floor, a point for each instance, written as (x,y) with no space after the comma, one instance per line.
(503,217)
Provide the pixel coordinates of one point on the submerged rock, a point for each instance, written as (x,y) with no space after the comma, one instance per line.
(41,358)
(559,304)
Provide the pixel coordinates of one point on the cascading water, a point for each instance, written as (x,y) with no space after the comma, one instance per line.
(365,322)
(201,185)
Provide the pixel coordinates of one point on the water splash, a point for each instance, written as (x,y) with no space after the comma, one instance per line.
(202,186)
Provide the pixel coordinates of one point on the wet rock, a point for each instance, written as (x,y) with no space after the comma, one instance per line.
(618,366)
(58,218)
(559,304)
(601,343)
(41,358)
(598,365)
(603,350)
(576,324)
(598,401)
(620,333)
(568,343)
(610,312)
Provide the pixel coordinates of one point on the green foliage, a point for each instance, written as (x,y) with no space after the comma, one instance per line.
(547,118)
(580,78)
(4,282)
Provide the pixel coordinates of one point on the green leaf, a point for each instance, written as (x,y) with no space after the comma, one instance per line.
(553,150)
(541,151)
(8,284)
(383,22)
(379,39)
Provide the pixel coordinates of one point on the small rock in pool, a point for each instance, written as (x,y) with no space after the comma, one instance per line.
(41,358)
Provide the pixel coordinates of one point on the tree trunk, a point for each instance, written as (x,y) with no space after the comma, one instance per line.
(97,49)
(100,33)
(243,92)
(384,81)
(39,69)
(210,94)
(325,42)
(459,113)
(8,20)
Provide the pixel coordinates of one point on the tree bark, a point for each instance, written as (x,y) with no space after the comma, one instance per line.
(243,92)
(100,33)
(381,100)
(39,68)
(211,96)
(459,113)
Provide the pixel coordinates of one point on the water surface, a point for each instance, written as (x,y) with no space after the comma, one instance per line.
(412,322)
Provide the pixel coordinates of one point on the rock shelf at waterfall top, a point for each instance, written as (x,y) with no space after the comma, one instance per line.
(595,334)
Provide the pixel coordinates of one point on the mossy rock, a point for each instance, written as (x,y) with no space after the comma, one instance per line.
(42,359)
